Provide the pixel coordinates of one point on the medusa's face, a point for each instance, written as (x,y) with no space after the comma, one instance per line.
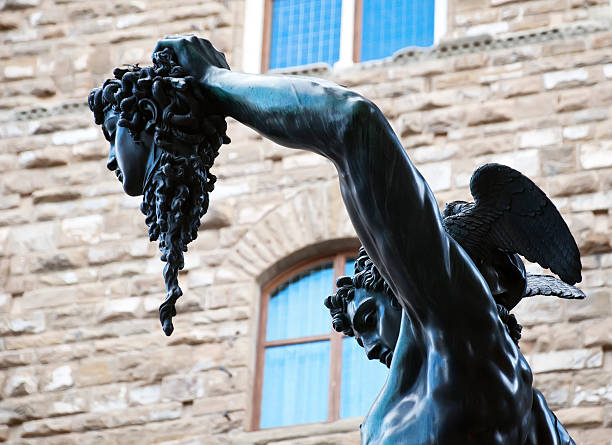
(376,324)
(128,158)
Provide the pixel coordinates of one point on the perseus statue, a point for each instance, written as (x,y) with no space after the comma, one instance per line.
(458,378)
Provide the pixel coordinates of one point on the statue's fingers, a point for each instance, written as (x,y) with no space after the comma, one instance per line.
(171,41)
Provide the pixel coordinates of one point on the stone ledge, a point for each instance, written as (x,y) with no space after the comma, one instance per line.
(454,47)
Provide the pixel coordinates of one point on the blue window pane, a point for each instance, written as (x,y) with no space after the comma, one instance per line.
(362,380)
(305,31)
(295,385)
(349,267)
(296,308)
(389,25)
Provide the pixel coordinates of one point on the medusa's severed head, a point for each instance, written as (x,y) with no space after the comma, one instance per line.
(163,142)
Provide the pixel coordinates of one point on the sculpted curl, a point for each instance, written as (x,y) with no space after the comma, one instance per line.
(163,101)
(366,276)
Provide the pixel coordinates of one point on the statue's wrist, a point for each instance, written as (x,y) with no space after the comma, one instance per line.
(211,85)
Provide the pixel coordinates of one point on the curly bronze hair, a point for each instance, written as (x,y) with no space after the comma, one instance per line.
(366,276)
(163,100)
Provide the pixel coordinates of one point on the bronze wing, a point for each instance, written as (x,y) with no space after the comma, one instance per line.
(547,285)
(513,214)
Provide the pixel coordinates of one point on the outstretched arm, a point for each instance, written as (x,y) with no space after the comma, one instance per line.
(392,209)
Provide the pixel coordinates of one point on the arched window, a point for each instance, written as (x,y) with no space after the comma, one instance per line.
(306,372)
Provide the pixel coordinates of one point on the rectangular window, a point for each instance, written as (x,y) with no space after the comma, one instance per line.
(307,372)
(390,25)
(304,32)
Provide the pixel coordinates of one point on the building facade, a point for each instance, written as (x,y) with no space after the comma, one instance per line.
(83,359)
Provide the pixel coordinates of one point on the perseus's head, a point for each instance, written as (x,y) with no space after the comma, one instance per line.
(163,141)
(365,307)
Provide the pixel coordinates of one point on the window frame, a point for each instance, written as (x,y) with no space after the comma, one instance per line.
(335,338)
(258,32)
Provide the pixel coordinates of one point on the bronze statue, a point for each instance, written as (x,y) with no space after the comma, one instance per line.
(456,375)
(365,307)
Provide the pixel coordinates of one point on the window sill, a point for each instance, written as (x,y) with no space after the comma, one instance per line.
(452,47)
(349,425)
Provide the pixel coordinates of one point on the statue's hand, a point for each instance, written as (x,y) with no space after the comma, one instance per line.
(194,54)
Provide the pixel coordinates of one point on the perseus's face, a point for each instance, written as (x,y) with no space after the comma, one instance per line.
(376,324)
(128,158)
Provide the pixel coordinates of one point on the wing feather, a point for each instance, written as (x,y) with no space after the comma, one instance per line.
(547,285)
(526,222)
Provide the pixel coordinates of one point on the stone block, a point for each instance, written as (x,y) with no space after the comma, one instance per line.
(46,157)
(470,61)
(557,160)
(182,388)
(573,184)
(530,22)
(108,399)
(591,115)
(437,175)
(33,323)
(56,194)
(595,436)
(597,332)
(525,161)
(74,137)
(580,415)
(572,100)
(118,309)
(489,114)
(60,379)
(14,5)
(104,254)
(145,395)
(593,202)
(81,230)
(454,80)
(566,360)
(199,278)
(216,218)
(576,132)
(593,388)
(597,303)
(46,427)
(540,138)
(20,383)
(533,311)
(596,154)
(517,87)
(10,201)
(601,40)
(440,122)
(96,371)
(488,28)
(17,72)
(566,79)
(30,238)
(434,153)
(5,302)
(410,124)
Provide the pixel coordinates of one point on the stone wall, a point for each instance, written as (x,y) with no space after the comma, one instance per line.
(83,359)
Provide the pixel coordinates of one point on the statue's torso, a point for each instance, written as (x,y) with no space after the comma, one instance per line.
(442,402)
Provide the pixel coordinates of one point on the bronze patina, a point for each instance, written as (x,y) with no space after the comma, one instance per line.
(456,374)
